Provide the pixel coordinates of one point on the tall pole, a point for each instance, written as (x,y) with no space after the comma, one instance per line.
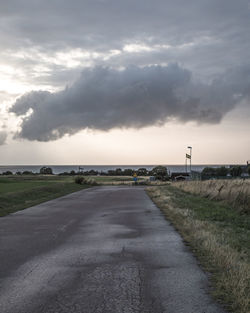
(186,164)
(190,153)
(190,160)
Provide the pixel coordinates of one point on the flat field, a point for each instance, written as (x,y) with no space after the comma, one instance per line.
(20,192)
(116,180)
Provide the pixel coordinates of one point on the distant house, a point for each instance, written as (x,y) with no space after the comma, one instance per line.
(195,175)
(177,176)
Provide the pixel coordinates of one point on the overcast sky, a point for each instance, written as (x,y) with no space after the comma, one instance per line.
(124,82)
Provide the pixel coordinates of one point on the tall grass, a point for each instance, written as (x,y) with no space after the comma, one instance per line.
(235,192)
(218,235)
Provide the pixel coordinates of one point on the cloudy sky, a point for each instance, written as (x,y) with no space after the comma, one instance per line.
(124,82)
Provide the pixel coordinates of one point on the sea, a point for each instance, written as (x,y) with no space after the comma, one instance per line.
(57,169)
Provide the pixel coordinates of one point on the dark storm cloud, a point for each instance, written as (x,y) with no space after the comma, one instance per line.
(96,23)
(105,98)
(103,25)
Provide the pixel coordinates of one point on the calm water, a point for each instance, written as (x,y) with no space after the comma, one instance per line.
(100,168)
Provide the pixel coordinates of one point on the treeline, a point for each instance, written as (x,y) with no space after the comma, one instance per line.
(160,172)
(116,172)
(43,171)
(235,171)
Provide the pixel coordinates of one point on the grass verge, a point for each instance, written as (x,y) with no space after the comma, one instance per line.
(218,235)
(18,193)
(235,192)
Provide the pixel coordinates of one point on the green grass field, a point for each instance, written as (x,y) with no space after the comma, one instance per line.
(20,192)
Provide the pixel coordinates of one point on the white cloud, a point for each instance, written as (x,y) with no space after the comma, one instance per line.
(3,137)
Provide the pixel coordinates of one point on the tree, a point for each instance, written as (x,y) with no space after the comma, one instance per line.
(118,172)
(7,173)
(160,172)
(142,171)
(93,173)
(208,172)
(128,172)
(221,171)
(236,171)
(46,171)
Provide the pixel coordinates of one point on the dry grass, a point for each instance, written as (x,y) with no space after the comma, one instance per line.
(126,180)
(230,267)
(235,192)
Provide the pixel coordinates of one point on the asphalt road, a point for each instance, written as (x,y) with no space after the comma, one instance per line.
(106,249)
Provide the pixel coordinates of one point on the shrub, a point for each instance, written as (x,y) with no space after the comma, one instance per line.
(27,173)
(64,174)
(7,173)
(46,171)
(79,180)
(85,181)
(91,182)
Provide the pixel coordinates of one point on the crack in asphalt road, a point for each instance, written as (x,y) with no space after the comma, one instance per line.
(105,249)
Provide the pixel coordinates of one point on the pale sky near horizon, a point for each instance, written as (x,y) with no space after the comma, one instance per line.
(124,82)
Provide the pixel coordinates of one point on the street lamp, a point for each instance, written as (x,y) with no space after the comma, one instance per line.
(190,153)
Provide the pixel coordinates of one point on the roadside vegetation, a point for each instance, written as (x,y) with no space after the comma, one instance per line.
(235,192)
(216,225)
(19,192)
(226,172)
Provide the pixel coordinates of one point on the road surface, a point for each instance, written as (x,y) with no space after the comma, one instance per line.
(105,249)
